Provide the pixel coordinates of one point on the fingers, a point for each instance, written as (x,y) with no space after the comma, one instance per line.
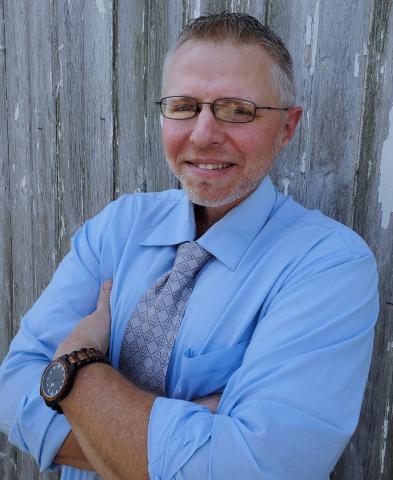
(104,296)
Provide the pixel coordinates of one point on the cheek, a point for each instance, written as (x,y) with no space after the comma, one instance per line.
(173,139)
(258,143)
(250,143)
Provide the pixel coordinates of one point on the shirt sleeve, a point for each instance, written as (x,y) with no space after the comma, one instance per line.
(71,295)
(289,410)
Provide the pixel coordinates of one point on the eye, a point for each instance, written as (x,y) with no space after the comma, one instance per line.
(234,110)
(241,111)
(183,107)
(180,104)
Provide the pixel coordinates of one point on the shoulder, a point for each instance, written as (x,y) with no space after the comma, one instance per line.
(316,230)
(127,208)
(306,243)
(133,214)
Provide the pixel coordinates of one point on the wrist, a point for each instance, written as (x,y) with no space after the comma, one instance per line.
(58,378)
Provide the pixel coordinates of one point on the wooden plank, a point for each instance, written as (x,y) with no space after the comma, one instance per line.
(143,37)
(8,467)
(5,231)
(159,39)
(129,90)
(31,150)
(83,113)
(370,454)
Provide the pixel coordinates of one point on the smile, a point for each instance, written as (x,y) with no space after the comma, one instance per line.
(212,166)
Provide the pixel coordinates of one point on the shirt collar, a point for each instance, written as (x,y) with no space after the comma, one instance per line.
(230,237)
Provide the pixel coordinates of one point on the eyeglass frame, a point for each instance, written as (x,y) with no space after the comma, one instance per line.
(198,109)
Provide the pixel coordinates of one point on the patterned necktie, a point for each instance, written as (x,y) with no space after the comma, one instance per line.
(151,331)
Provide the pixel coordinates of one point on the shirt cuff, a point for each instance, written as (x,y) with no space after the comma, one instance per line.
(177,428)
(39,431)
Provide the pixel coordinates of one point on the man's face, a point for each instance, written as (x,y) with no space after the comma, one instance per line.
(207,71)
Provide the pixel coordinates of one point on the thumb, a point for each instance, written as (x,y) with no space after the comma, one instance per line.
(104,296)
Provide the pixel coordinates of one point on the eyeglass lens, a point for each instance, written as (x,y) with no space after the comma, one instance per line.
(226,109)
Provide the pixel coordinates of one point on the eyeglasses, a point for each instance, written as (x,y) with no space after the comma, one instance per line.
(231,110)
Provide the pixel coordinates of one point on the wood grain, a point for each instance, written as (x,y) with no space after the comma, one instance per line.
(30,158)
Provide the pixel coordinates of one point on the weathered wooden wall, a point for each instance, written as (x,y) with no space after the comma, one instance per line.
(78,128)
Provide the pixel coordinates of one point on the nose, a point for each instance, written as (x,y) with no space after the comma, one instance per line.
(206,130)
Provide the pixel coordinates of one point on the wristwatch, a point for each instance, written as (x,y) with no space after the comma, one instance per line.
(59,375)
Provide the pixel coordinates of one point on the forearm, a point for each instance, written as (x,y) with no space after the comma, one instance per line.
(71,454)
(109,417)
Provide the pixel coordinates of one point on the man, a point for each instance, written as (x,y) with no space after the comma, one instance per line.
(250,358)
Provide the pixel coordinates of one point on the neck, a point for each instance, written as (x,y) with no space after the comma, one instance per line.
(205,217)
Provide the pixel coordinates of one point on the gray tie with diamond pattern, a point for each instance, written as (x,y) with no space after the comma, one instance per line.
(151,331)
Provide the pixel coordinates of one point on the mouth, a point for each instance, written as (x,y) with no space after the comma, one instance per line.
(211,166)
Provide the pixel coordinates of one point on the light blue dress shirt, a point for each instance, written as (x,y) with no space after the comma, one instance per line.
(280,321)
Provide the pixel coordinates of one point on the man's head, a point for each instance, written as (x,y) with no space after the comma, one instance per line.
(226,56)
(240,28)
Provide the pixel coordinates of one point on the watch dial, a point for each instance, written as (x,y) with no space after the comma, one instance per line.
(54,380)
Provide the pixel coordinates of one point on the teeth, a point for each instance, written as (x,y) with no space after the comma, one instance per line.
(212,166)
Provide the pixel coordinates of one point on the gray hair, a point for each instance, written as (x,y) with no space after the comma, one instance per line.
(242,28)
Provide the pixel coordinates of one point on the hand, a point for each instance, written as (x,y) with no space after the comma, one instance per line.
(211,401)
(92,331)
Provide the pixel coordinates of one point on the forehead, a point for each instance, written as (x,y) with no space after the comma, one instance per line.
(207,68)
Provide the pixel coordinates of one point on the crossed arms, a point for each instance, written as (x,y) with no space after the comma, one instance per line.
(289,404)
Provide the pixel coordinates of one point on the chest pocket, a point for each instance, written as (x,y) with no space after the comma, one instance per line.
(208,373)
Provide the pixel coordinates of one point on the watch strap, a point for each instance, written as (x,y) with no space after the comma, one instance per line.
(84,356)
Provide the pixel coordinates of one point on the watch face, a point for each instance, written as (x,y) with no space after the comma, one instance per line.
(53,379)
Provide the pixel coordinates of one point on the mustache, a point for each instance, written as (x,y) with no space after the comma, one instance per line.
(216,154)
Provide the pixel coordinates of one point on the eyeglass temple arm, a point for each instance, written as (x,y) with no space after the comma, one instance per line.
(270,108)
(256,108)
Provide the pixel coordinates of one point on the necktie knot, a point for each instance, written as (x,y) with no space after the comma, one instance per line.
(190,258)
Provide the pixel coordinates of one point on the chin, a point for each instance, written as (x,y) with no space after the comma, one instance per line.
(214,199)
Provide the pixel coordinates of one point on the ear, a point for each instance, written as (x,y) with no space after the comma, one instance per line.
(291,119)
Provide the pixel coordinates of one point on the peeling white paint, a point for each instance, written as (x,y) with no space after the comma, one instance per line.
(60,47)
(303,165)
(365,49)
(308,30)
(385,428)
(285,184)
(369,167)
(314,42)
(197,8)
(62,229)
(23,183)
(145,126)
(356,68)
(385,188)
(382,69)
(101,6)
(16,116)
